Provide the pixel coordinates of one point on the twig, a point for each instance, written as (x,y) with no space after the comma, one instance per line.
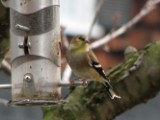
(64,38)
(6,66)
(63,61)
(5,63)
(67,71)
(152,2)
(66,74)
(99,6)
(149,6)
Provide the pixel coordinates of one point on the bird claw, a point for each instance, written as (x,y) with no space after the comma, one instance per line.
(72,82)
(85,83)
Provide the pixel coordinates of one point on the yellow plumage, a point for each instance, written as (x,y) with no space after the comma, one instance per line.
(85,64)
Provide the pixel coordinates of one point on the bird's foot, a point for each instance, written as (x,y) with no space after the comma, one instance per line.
(72,82)
(85,83)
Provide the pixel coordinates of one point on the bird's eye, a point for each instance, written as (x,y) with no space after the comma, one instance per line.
(81,38)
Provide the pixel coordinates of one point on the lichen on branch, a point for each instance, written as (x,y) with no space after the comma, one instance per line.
(92,102)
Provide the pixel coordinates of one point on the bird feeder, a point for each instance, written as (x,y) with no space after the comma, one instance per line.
(35,51)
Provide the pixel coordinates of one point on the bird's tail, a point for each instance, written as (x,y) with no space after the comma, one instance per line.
(112,94)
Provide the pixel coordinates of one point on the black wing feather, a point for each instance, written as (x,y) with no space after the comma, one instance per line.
(99,69)
(95,64)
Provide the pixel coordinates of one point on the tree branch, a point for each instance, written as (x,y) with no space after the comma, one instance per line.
(148,7)
(141,85)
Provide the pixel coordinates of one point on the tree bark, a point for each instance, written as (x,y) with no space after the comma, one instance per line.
(136,81)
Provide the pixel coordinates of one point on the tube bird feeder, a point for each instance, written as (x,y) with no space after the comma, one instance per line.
(35,51)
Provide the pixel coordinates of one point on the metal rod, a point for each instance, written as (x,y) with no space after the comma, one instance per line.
(76,83)
(30,102)
(5,86)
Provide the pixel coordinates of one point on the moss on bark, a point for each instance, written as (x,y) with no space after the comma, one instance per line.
(92,102)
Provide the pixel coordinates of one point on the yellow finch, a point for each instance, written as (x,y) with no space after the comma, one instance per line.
(85,64)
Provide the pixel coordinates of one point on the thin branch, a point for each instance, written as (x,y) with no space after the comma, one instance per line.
(152,2)
(63,61)
(66,73)
(5,63)
(6,66)
(149,6)
(64,39)
(99,6)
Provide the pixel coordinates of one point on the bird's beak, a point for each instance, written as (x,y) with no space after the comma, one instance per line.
(86,41)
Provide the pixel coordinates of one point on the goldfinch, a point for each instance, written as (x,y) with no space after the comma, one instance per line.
(85,64)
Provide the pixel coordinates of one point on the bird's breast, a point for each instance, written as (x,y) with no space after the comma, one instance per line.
(81,67)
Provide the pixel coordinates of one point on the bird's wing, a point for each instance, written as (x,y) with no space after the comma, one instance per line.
(94,63)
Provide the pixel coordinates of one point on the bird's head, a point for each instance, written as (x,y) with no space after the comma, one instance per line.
(79,43)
